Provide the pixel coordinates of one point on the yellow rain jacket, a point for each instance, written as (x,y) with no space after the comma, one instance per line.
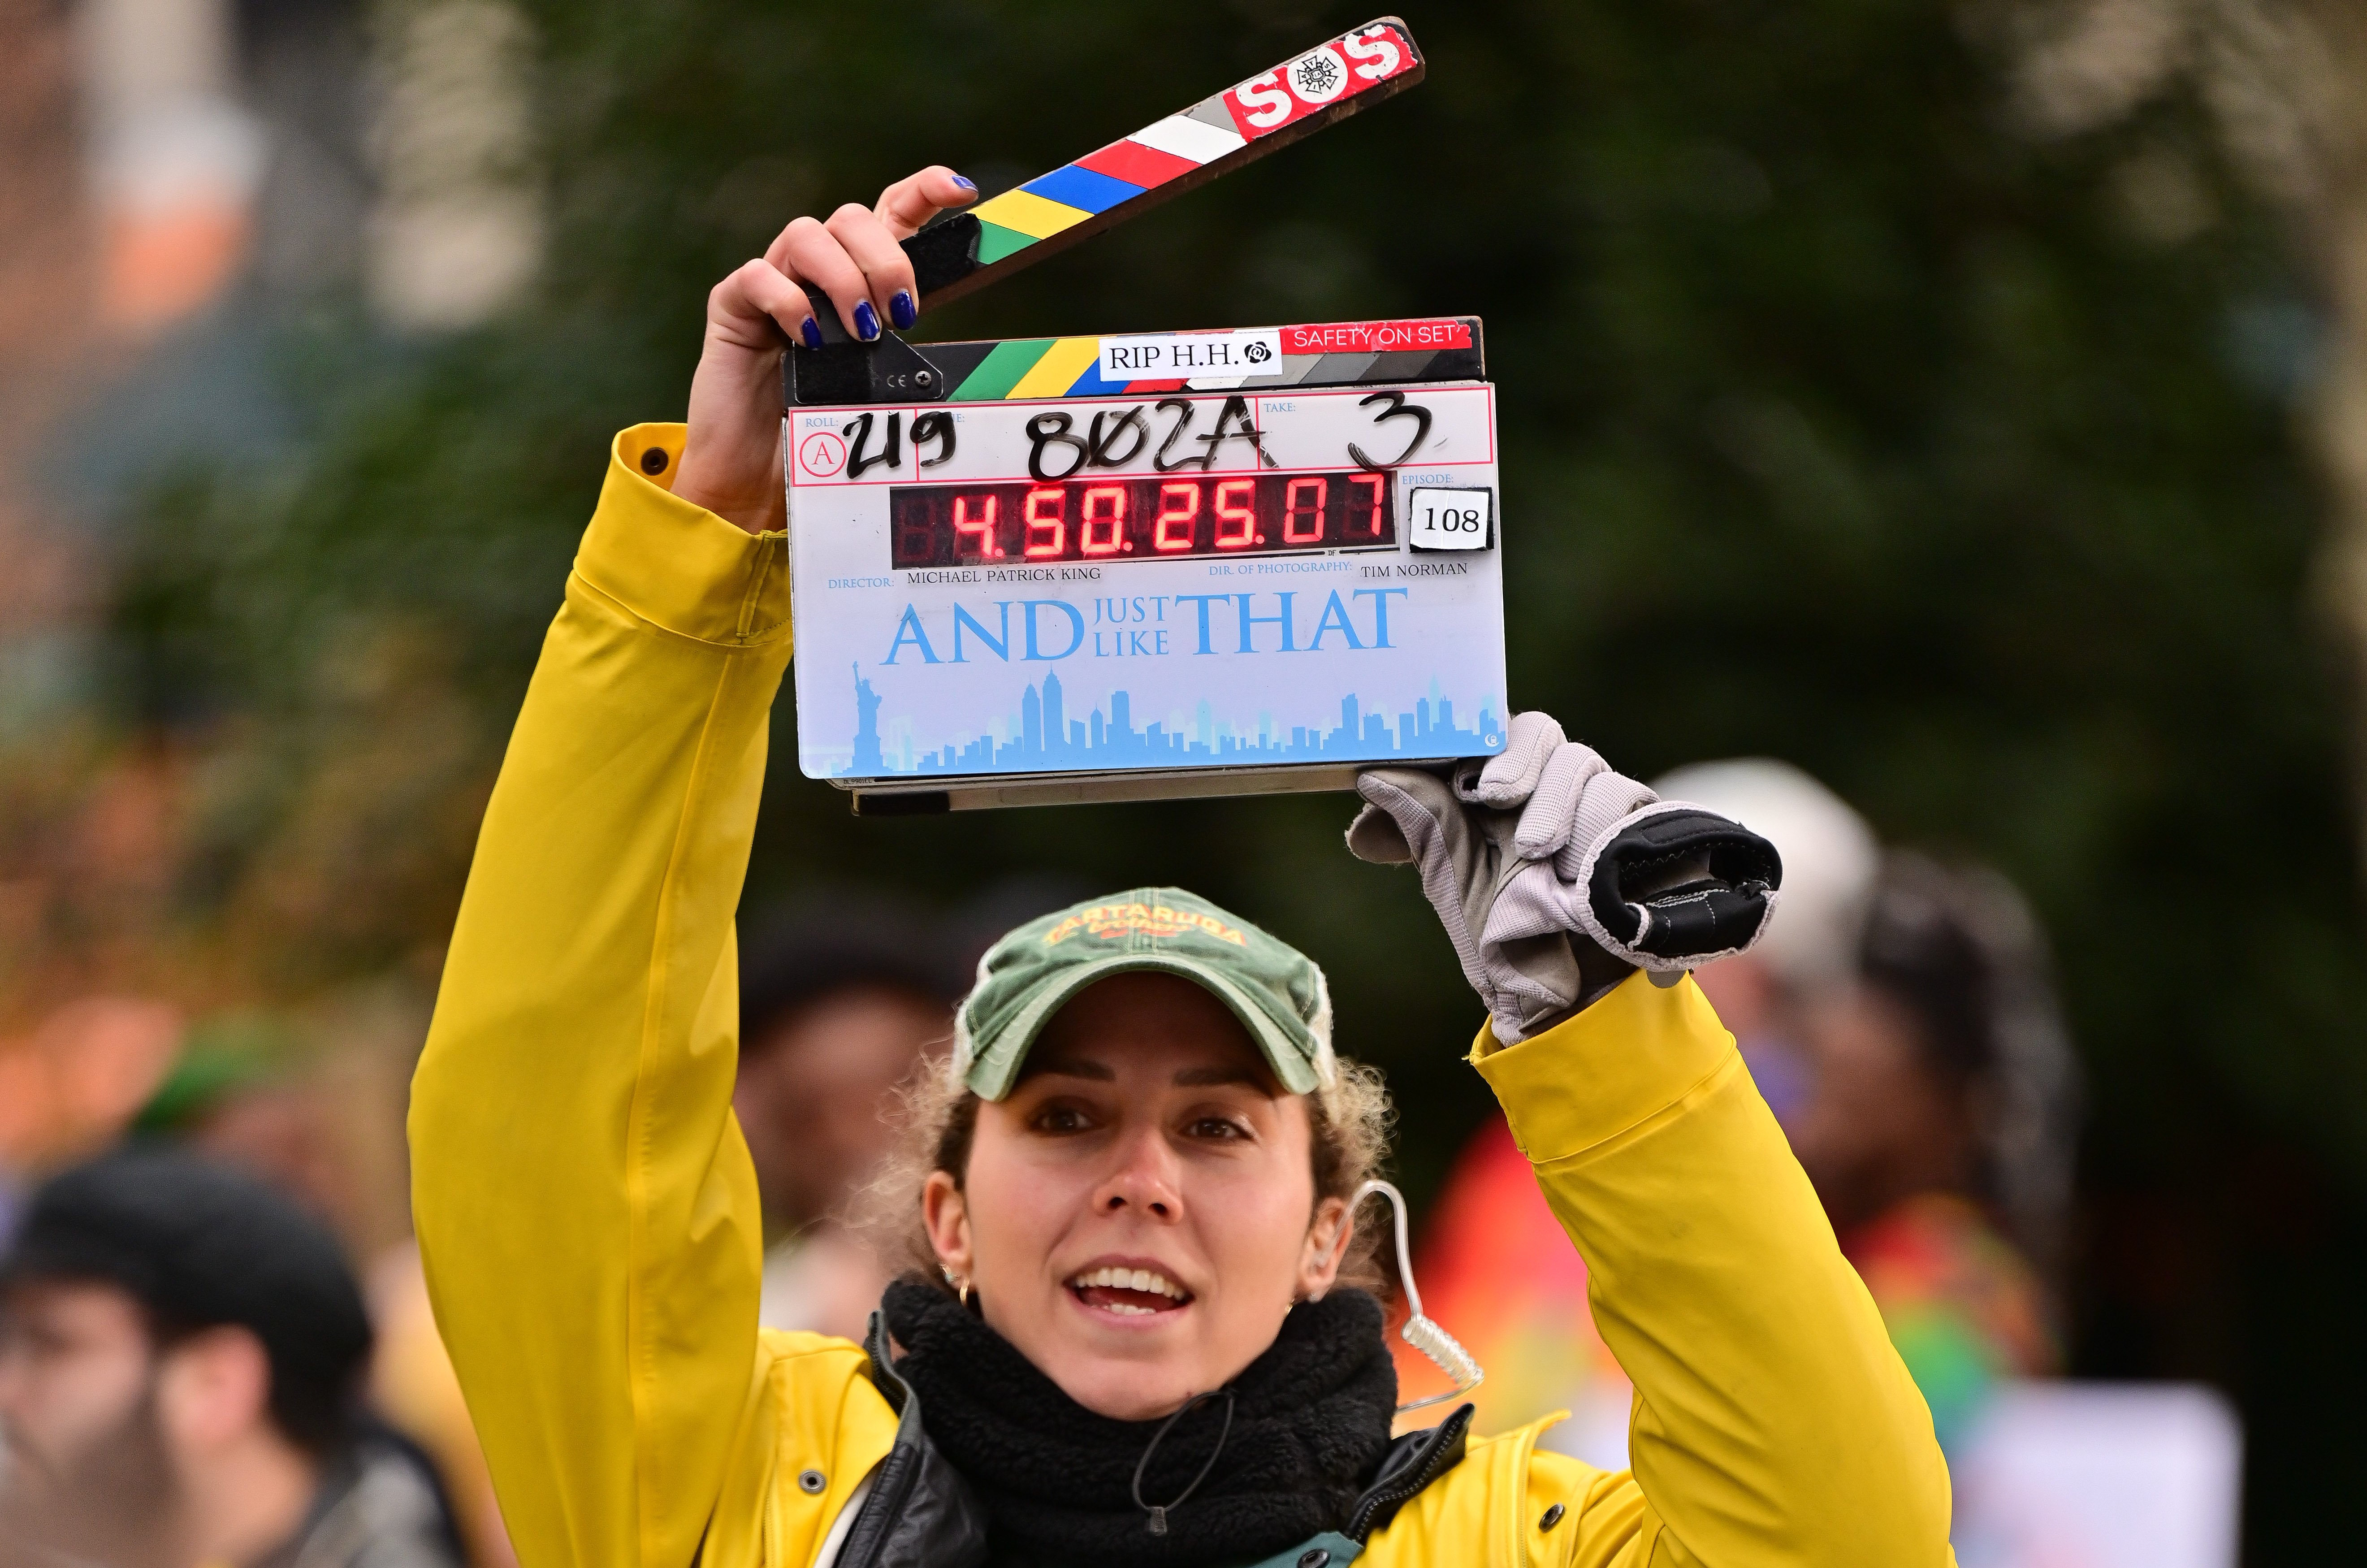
(588,1213)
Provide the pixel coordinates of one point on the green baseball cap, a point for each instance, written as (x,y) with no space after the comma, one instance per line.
(1277,991)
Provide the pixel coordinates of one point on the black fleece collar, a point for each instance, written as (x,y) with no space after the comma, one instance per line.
(1311,1424)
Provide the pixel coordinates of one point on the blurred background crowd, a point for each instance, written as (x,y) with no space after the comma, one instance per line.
(1955,409)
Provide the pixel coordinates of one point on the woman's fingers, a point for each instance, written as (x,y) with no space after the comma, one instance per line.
(807,251)
(855,258)
(886,269)
(917,198)
(753,294)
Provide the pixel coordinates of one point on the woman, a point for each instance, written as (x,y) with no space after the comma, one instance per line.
(1137,1192)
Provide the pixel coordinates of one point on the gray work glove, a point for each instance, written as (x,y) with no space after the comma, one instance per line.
(1557,878)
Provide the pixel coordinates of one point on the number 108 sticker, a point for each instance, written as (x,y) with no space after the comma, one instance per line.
(1451,518)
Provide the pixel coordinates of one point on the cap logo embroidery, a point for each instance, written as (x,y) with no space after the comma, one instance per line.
(1109,921)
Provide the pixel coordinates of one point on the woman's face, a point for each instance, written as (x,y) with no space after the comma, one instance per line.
(1148,1144)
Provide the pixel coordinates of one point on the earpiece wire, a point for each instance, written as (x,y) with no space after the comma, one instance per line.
(1426,1334)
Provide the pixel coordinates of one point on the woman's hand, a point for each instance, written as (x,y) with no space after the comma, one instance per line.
(731,459)
(1545,841)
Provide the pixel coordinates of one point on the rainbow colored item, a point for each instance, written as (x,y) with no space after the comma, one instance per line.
(962,252)
(1963,1308)
(1111,183)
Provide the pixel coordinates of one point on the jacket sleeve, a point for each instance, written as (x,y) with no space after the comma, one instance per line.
(586,1206)
(1774,1424)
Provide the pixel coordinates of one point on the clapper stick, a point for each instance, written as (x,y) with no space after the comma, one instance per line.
(963,252)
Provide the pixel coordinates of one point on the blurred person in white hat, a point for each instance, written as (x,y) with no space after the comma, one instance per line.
(1901,1019)
(1489,1258)
(1831,860)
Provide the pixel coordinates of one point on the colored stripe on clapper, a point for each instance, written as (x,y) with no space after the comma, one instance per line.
(1100,180)
(1153,155)
(1037,367)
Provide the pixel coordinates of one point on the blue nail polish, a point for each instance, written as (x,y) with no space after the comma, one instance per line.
(901,311)
(867,321)
(810,330)
(963,183)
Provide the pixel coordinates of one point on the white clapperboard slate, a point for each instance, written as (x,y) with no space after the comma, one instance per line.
(1152,565)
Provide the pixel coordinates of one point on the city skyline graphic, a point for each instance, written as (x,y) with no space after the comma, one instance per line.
(1042,736)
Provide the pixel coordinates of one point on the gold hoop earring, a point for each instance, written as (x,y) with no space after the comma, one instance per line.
(961,1285)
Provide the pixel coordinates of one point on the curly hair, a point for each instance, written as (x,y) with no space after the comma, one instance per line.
(1350,1120)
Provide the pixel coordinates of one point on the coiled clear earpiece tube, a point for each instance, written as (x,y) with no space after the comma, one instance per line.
(1421,1332)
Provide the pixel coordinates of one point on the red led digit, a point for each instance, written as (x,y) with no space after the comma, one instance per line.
(1236,521)
(1298,510)
(1104,521)
(1179,504)
(913,536)
(981,527)
(1047,535)
(1375,486)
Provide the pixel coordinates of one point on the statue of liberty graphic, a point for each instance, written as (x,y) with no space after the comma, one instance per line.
(868,761)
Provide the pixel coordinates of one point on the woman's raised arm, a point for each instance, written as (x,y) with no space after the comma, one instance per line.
(586,1206)
(586,1210)
(1774,1423)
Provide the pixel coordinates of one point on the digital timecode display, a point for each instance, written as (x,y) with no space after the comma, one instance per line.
(1138,519)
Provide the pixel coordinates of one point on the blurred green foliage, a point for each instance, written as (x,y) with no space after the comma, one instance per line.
(1840,425)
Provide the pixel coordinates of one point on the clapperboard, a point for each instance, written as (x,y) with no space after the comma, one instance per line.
(1156,564)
